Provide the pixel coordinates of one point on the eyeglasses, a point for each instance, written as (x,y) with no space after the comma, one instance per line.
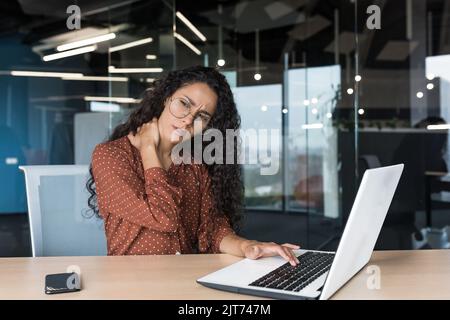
(181,108)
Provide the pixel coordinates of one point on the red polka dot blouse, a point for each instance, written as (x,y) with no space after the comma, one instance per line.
(154,211)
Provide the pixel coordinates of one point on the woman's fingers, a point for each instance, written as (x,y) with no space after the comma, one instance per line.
(290,248)
(283,252)
(269,249)
(149,132)
(134,140)
(290,245)
(294,257)
(287,254)
(155,131)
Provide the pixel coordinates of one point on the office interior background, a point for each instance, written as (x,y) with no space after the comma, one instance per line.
(345,97)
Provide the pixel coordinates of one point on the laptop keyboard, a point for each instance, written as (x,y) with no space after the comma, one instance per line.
(294,278)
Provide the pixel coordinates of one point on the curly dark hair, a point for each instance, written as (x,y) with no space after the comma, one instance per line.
(226,179)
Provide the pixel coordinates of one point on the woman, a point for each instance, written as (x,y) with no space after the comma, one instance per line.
(149,204)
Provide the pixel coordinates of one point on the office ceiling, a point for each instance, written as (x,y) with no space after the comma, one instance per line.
(285,26)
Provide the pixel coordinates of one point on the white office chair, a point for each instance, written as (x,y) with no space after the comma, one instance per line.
(58,212)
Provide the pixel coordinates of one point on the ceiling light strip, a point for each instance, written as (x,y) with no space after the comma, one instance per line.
(86,42)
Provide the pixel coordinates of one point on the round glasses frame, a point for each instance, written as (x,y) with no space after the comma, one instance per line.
(187,106)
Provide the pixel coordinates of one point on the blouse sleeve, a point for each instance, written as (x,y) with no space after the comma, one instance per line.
(119,194)
(214,226)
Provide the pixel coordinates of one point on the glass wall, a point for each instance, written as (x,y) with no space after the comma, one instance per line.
(403,110)
(57,108)
(336,87)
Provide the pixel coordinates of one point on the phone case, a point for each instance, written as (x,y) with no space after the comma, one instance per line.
(62,282)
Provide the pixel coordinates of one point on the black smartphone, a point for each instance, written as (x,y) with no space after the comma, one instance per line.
(62,282)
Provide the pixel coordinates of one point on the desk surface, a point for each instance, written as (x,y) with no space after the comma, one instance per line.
(404,275)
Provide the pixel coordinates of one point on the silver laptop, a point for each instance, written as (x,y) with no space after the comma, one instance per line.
(319,274)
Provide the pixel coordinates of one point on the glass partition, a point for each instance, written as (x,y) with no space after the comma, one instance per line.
(344,86)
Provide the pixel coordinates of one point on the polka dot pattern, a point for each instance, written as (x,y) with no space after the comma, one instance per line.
(155,211)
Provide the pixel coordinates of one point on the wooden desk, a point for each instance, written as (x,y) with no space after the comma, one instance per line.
(404,275)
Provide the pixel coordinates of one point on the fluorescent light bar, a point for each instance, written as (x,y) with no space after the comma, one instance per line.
(187,43)
(104,107)
(113,69)
(97,78)
(312,126)
(85,42)
(130,44)
(45,74)
(11,161)
(191,26)
(112,99)
(438,127)
(69,53)
(150,57)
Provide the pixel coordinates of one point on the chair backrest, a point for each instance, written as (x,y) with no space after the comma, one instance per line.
(60,222)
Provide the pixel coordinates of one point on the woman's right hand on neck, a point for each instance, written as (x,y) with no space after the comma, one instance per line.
(146,140)
(146,136)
